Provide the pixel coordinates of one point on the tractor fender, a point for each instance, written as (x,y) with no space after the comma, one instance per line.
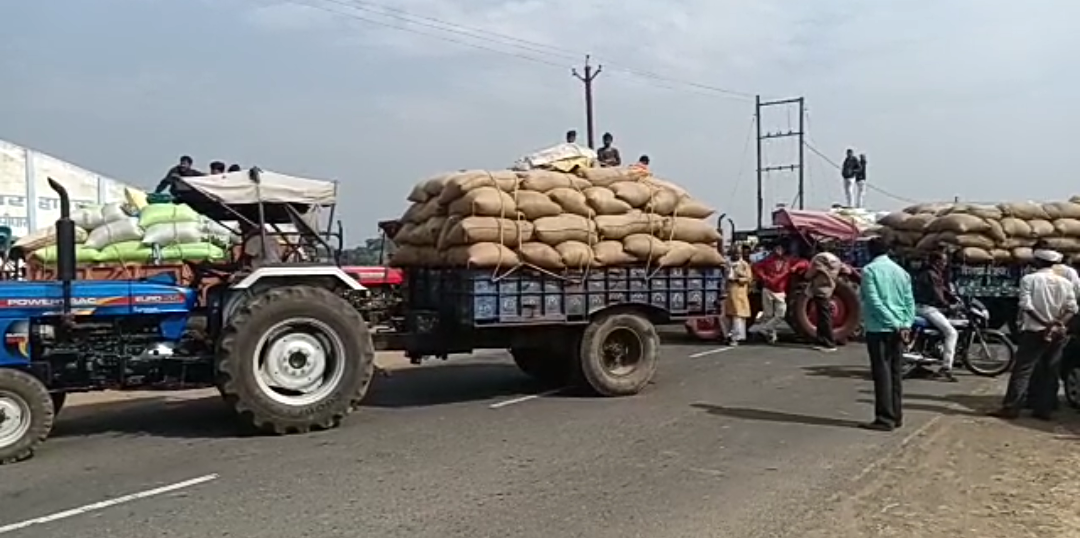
(298,272)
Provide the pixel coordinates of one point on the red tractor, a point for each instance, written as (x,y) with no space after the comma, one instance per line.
(801,231)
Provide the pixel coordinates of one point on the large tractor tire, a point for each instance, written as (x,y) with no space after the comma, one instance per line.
(26,415)
(847,313)
(295,359)
(551,366)
(618,354)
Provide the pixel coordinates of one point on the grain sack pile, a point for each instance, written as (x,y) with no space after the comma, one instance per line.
(981,233)
(121,233)
(600,217)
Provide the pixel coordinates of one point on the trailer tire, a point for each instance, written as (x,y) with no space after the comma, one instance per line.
(845,301)
(543,364)
(26,415)
(618,354)
(282,337)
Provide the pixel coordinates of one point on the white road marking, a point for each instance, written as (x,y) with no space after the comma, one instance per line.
(523,399)
(107,503)
(711,352)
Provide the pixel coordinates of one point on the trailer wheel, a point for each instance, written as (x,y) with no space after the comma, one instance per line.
(26,415)
(295,359)
(546,365)
(618,354)
(846,313)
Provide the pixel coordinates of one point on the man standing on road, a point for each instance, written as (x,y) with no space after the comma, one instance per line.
(823,274)
(608,155)
(888,313)
(848,171)
(933,299)
(1047,306)
(1038,377)
(773,272)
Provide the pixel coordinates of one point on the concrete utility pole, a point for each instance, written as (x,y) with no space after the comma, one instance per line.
(761,137)
(587,79)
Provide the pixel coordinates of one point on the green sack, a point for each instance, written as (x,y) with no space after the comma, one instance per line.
(83,254)
(159,198)
(166,213)
(126,252)
(193,252)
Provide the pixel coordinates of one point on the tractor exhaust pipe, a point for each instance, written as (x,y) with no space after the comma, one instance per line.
(65,246)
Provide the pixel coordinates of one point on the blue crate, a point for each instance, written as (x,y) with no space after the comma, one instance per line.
(473,297)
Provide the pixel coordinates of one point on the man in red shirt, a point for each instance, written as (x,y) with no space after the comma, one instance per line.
(773,273)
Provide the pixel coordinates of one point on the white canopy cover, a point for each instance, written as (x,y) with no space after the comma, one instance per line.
(237,188)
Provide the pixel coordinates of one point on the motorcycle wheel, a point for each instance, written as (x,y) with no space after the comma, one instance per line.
(984,342)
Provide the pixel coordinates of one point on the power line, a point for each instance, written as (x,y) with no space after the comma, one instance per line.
(500,39)
(742,160)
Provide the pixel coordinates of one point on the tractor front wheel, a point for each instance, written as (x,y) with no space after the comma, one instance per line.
(295,359)
(26,415)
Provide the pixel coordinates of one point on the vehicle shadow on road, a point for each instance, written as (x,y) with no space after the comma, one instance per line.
(839,371)
(1065,421)
(199,418)
(764,415)
(447,383)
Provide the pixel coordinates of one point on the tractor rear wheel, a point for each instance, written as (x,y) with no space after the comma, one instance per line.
(26,415)
(295,359)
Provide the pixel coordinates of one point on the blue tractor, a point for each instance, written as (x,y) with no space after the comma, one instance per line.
(280,341)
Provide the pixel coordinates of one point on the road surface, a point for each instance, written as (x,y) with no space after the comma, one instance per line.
(728,442)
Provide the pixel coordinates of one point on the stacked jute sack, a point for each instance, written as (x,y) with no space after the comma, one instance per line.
(119,233)
(1001,233)
(600,217)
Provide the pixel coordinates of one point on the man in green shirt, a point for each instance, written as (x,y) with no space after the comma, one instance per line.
(888,307)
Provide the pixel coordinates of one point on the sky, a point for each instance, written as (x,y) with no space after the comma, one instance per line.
(967,98)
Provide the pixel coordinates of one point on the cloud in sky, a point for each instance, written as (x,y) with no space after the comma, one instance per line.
(961,98)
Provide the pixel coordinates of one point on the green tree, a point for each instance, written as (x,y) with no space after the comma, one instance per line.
(369,252)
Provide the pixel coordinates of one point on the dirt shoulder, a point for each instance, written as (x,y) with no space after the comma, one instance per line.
(968,475)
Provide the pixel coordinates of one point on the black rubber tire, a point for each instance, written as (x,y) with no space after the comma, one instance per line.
(33,392)
(591,370)
(799,316)
(239,340)
(548,366)
(1071,380)
(58,399)
(991,337)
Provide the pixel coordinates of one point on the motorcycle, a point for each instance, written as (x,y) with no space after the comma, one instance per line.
(971,319)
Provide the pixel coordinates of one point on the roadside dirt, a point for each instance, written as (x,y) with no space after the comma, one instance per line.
(969,476)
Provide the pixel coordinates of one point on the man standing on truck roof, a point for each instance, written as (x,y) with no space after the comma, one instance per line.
(571,137)
(608,155)
(849,171)
(773,272)
(1047,307)
(888,313)
(823,275)
(933,298)
(184,169)
(860,181)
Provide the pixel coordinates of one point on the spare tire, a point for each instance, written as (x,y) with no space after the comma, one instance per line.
(847,313)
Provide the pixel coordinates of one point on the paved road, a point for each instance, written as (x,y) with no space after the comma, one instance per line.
(739,442)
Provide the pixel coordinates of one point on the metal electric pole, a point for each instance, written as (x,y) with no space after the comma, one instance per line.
(763,136)
(587,79)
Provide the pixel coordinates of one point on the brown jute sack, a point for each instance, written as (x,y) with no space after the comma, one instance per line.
(959,223)
(645,247)
(482,255)
(611,254)
(604,202)
(996,232)
(546,180)
(1067,227)
(457,185)
(689,230)
(664,184)
(1014,242)
(692,208)
(419,213)
(679,254)
(707,256)
(428,233)
(603,177)
(635,193)
(617,227)
(927,207)
(1023,254)
(894,220)
(1001,255)
(927,243)
(534,205)
(428,188)
(484,202)
(917,223)
(571,201)
(1041,228)
(468,230)
(1062,210)
(1023,210)
(404,234)
(975,241)
(982,211)
(1067,245)
(541,255)
(1015,227)
(663,202)
(566,227)
(976,255)
(576,254)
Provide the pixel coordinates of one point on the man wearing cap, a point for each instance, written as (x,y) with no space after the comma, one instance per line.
(1047,305)
(1037,377)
